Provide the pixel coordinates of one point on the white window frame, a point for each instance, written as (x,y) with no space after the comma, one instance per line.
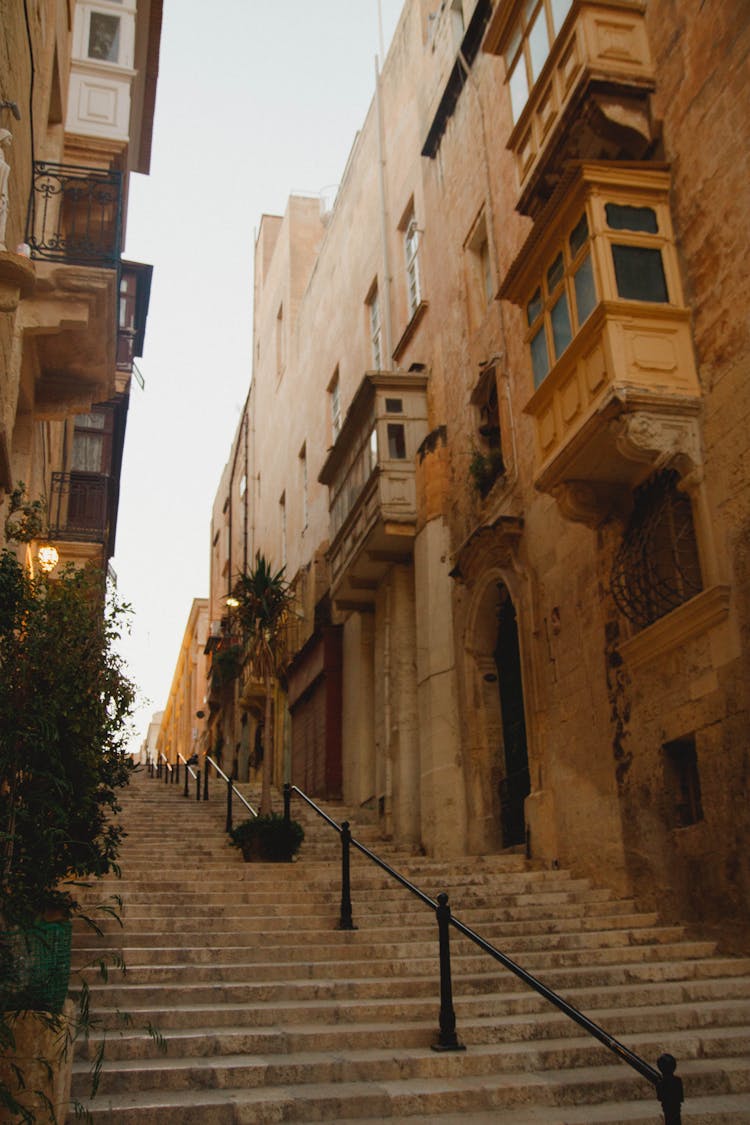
(411,255)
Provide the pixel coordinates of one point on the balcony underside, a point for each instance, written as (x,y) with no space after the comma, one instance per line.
(72,318)
(372,540)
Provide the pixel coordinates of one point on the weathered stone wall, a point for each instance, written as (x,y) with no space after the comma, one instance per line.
(596,718)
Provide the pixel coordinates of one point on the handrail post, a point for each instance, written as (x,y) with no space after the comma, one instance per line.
(158,769)
(187,780)
(166,771)
(287,802)
(447,1038)
(198,784)
(345,917)
(205,779)
(669,1090)
(177,771)
(229,805)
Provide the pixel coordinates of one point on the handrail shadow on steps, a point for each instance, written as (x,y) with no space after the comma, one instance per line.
(667,1085)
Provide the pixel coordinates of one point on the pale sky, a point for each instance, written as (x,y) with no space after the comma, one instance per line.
(256,99)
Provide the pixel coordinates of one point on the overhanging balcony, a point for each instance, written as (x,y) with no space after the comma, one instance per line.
(616,388)
(74,232)
(579,74)
(81,507)
(75,215)
(371,481)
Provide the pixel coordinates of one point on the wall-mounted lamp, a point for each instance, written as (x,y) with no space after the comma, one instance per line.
(48,558)
(232,602)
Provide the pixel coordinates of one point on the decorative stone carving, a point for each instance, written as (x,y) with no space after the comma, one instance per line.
(581,501)
(494,544)
(659,440)
(6,139)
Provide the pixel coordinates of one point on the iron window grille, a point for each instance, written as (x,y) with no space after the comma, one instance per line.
(657,568)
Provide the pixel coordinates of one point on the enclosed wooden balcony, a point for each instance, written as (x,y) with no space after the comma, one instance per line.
(579,74)
(615,387)
(370,477)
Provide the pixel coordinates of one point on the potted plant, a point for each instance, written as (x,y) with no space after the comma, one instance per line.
(485,468)
(268,839)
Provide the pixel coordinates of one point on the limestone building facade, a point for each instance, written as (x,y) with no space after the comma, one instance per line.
(77,93)
(497,434)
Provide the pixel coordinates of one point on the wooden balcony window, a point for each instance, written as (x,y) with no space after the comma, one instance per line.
(599,285)
(558,53)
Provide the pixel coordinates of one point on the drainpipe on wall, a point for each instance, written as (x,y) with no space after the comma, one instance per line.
(387,280)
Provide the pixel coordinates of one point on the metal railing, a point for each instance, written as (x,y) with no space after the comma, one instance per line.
(75,215)
(80,507)
(667,1085)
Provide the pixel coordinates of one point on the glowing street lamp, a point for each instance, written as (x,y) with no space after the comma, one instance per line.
(48,558)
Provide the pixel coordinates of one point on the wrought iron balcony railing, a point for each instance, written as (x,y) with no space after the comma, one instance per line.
(80,507)
(75,215)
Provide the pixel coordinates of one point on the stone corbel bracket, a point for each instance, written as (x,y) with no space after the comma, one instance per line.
(641,443)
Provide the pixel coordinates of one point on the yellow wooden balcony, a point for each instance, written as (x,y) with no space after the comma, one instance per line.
(579,74)
(608,334)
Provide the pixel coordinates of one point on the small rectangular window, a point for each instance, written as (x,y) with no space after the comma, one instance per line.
(534,307)
(104,37)
(561,330)
(585,288)
(639,273)
(373,449)
(538,44)
(396,441)
(682,782)
(622,217)
(539,357)
(394,406)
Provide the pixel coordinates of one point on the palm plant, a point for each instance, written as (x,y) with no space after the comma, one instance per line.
(265,601)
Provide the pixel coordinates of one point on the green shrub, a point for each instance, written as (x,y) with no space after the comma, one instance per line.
(269,839)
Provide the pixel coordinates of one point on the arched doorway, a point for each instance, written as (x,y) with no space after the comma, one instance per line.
(514,780)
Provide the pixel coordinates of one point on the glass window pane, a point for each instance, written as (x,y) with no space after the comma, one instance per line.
(90,421)
(639,273)
(394,406)
(512,49)
(578,235)
(585,290)
(621,217)
(560,9)
(561,332)
(104,37)
(87,453)
(519,88)
(373,450)
(555,273)
(538,45)
(396,441)
(539,357)
(534,307)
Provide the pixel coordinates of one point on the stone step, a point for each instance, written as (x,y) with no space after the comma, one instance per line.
(272,1013)
(382,1065)
(465,975)
(129,995)
(327,1101)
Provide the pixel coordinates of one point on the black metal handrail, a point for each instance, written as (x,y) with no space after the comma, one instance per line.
(232,790)
(667,1085)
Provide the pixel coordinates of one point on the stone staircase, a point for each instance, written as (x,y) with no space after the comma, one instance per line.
(272,1014)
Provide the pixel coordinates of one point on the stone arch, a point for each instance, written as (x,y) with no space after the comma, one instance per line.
(488,569)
